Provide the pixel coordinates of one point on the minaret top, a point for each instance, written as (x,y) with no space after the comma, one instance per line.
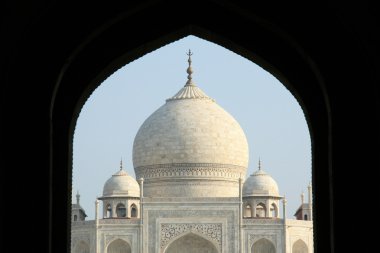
(259,171)
(78,197)
(121,171)
(189,70)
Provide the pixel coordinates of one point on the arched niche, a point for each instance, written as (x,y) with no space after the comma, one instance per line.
(191,243)
(134,211)
(247,211)
(274,210)
(121,211)
(118,246)
(261,210)
(263,246)
(300,247)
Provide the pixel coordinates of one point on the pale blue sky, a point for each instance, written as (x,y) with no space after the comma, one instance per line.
(272,119)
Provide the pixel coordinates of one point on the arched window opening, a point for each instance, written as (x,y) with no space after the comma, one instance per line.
(133,211)
(263,246)
(274,210)
(305,217)
(191,243)
(247,211)
(75,217)
(119,246)
(261,210)
(108,211)
(121,211)
(299,247)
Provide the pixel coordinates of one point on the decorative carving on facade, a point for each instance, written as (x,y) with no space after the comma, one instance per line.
(250,221)
(119,221)
(190,169)
(169,213)
(212,231)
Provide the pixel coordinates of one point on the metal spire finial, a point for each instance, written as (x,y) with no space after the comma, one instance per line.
(121,163)
(189,69)
(259,164)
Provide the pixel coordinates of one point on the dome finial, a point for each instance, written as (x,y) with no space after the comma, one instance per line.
(259,164)
(189,70)
(121,163)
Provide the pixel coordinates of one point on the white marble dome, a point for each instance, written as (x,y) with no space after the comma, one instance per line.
(194,130)
(187,140)
(121,185)
(260,184)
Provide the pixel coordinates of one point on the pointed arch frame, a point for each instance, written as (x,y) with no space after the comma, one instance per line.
(283,57)
(187,233)
(115,239)
(262,238)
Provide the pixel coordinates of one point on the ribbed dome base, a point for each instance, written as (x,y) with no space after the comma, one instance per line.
(191,188)
(191,180)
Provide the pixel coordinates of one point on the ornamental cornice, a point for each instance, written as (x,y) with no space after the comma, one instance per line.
(190,170)
(263,221)
(119,221)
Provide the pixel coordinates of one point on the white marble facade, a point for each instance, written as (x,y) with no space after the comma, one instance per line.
(191,157)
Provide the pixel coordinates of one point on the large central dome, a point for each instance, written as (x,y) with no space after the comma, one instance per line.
(190,147)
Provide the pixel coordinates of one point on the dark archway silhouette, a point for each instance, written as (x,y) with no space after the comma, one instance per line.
(103,67)
(57,53)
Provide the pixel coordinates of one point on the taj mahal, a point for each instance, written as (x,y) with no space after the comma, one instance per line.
(191,193)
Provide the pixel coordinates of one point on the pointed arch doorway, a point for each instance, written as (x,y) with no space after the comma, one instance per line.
(191,243)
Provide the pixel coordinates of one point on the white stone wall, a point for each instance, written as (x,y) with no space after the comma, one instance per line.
(83,231)
(127,232)
(299,229)
(213,219)
(256,229)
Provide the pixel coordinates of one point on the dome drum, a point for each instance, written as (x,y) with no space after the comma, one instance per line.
(191,180)
(192,188)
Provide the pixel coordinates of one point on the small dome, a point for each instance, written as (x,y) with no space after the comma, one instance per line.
(260,184)
(121,184)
